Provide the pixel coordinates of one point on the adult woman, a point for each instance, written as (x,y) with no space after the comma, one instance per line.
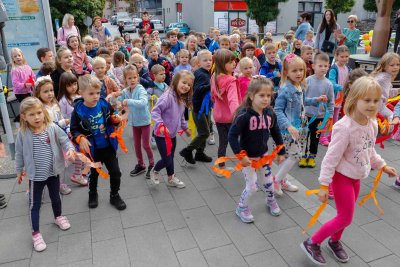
(99,31)
(325,40)
(304,27)
(68,27)
(350,35)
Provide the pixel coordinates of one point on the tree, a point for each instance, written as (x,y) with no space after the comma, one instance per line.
(340,6)
(132,6)
(263,11)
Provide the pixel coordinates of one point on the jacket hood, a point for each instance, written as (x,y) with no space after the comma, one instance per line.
(224,81)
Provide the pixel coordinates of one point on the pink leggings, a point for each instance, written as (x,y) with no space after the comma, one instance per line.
(142,134)
(346,191)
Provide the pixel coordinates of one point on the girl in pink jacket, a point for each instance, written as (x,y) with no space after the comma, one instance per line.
(225,94)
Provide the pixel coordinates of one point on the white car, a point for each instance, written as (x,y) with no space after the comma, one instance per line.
(128,26)
(158,25)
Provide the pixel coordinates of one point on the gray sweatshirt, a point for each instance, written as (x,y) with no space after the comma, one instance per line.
(316,88)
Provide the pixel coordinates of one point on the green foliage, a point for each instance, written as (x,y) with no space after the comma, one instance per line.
(340,6)
(263,11)
(370,5)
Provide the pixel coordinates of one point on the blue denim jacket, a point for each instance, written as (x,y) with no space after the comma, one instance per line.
(289,105)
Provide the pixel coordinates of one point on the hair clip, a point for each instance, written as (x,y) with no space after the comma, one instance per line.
(46,78)
(289,57)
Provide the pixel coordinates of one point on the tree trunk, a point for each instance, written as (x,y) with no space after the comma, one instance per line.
(382,28)
(260,28)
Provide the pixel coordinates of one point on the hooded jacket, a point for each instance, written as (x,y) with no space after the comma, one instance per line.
(227,100)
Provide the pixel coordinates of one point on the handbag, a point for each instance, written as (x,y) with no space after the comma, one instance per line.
(328,46)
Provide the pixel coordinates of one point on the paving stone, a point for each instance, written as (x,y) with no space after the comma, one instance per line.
(389,261)
(104,210)
(85,263)
(363,216)
(302,217)
(354,261)
(271,258)
(301,198)
(191,258)
(7,185)
(218,200)
(45,258)
(235,185)
(111,252)
(133,187)
(21,263)
(171,215)
(80,222)
(149,245)
(201,177)
(105,229)
(77,201)
(160,193)
(50,232)
(267,223)
(17,205)
(287,237)
(188,197)
(75,247)
(384,233)
(224,256)
(182,239)
(205,228)
(140,211)
(246,237)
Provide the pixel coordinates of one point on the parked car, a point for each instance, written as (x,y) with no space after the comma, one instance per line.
(113,20)
(181,26)
(104,20)
(136,22)
(128,26)
(158,25)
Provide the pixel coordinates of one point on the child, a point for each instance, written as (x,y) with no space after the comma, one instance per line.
(309,38)
(201,117)
(181,37)
(166,52)
(45,54)
(201,39)
(137,42)
(191,45)
(271,68)
(289,107)
(248,51)
(64,63)
(317,85)
(154,59)
(209,38)
(254,122)
(176,45)
(127,40)
(223,42)
(92,123)
(46,68)
(182,60)
(306,55)
(290,39)
(297,47)
(225,95)
(156,35)
(90,50)
(22,76)
(349,159)
(259,53)
(168,118)
(159,85)
(215,40)
(385,73)
(194,63)
(39,156)
(96,43)
(121,46)
(108,86)
(234,40)
(118,66)
(109,67)
(282,51)
(134,97)
(79,55)
(109,45)
(353,76)
(337,75)
(246,69)
(145,78)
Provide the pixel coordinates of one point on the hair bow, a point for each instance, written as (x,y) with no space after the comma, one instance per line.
(289,57)
(46,78)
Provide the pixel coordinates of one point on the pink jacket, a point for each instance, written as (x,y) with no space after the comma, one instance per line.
(19,76)
(351,151)
(80,57)
(244,85)
(227,100)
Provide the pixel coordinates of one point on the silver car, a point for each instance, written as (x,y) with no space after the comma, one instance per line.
(128,26)
(158,25)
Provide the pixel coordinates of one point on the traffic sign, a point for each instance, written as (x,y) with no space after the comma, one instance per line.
(87,21)
(238,22)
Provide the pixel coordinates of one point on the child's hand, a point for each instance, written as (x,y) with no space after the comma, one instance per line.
(20,177)
(162,130)
(245,161)
(390,171)
(280,159)
(323,195)
(188,132)
(395,121)
(294,132)
(71,155)
(125,103)
(67,121)
(28,85)
(116,118)
(322,98)
(84,145)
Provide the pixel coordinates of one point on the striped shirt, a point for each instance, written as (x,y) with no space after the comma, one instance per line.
(43,156)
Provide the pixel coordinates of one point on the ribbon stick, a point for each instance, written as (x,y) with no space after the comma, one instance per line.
(153,100)
(316,215)
(167,137)
(372,193)
(118,135)
(382,139)
(89,163)
(390,100)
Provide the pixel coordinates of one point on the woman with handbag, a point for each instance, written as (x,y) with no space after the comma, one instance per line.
(325,40)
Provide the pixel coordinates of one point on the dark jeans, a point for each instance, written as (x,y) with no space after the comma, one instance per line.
(108,157)
(20,97)
(223,130)
(313,137)
(203,132)
(35,199)
(165,161)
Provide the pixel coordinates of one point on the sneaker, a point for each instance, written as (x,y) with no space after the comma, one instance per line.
(2,197)
(137,170)
(273,207)
(117,202)
(323,140)
(79,180)
(62,223)
(313,252)
(287,186)
(200,156)
(337,250)
(147,175)
(311,162)
(93,200)
(211,140)
(154,176)
(187,155)
(330,192)
(303,161)
(153,143)
(227,168)
(65,190)
(175,182)
(396,183)
(38,242)
(244,213)
(3,204)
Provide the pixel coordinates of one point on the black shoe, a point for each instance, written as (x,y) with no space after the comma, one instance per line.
(2,197)
(313,252)
(187,155)
(93,200)
(3,204)
(200,156)
(117,202)
(337,250)
(138,170)
(148,172)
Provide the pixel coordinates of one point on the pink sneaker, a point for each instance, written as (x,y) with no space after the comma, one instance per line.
(79,180)
(62,223)
(323,140)
(38,242)
(65,190)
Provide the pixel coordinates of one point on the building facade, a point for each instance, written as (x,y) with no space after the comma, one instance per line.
(112,7)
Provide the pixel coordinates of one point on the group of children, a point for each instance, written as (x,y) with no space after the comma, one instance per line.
(251,93)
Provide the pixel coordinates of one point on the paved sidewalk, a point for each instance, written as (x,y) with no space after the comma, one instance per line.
(195,226)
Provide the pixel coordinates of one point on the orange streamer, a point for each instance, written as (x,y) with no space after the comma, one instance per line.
(327,128)
(372,193)
(316,215)
(339,98)
(383,126)
(118,134)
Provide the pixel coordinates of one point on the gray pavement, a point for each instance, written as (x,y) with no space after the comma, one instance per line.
(195,226)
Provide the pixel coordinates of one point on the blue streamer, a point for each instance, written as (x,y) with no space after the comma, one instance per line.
(205,105)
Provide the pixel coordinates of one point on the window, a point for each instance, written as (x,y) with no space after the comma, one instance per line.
(314,8)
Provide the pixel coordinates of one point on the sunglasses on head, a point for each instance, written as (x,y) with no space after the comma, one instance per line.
(350,21)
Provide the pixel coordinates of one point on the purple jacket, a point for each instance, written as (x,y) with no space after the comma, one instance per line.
(169,112)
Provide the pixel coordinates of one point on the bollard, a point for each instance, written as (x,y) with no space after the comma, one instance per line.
(6,121)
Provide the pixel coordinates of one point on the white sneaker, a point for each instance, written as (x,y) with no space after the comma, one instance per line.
(38,242)
(175,182)
(211,140)
(64,189)
(153,143)
(231,169)
(287,186)
(154,177)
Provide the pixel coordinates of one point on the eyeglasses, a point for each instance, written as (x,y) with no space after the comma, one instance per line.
(350,21)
